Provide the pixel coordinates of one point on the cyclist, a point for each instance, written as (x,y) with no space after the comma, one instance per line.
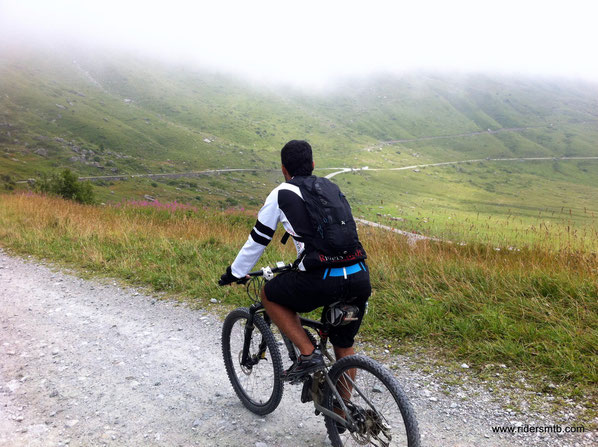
(302,289)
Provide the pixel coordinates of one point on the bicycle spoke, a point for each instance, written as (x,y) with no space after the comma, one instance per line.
(257,380)
(373,401)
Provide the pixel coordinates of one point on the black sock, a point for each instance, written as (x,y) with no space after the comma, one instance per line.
(309,355)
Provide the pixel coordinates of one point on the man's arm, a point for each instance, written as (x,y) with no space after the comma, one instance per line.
(259,238)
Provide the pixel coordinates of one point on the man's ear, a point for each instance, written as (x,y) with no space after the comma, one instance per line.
(285,173)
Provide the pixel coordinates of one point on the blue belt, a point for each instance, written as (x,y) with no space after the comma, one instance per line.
(343,271)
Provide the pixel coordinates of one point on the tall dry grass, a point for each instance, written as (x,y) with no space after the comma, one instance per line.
(535,309)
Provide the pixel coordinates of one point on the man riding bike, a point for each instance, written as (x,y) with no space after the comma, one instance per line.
(322,277)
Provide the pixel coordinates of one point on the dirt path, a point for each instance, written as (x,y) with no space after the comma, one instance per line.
(337,171)
(447,163)
(90,363)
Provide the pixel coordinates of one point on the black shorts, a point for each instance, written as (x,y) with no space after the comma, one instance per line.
(306,291)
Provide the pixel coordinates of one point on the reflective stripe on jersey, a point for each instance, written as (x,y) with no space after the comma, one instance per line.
(285,205)
(264,230)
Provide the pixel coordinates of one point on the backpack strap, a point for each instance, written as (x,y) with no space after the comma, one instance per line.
(297,181)
(297,261)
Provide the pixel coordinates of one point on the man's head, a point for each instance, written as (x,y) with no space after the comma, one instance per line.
(297,158)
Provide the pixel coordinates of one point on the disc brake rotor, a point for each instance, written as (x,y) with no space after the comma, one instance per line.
(247,371)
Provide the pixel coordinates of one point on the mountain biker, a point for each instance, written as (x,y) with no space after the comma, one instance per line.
(301,289)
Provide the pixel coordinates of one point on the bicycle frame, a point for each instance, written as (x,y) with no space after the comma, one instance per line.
(322,329)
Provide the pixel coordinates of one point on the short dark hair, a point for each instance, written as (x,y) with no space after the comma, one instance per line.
(297,158)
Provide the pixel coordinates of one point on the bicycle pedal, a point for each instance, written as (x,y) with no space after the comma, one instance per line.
(306,390)
(299,380)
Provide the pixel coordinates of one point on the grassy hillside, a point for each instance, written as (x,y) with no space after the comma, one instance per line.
(423,105)
(502,203)
(102,114)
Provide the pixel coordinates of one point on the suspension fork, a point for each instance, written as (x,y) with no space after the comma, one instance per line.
(249,327)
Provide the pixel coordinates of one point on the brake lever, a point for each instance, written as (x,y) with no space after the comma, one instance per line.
(268,275)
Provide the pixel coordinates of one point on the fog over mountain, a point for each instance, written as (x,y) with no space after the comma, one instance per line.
(313,43)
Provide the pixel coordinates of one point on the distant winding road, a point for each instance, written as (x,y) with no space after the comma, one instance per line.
(445,163)
(459,135)
(338,171)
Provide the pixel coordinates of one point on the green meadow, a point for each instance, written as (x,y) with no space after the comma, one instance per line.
(504,203)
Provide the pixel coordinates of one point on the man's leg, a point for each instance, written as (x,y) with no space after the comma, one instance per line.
(344,385)
(346,335)
(288,322)
(339,352)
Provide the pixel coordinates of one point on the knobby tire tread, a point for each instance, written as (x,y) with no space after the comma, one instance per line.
(384,375)
(262,328)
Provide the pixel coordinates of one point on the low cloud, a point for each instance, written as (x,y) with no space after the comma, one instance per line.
(312,42)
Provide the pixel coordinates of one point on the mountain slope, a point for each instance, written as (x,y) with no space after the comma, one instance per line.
(155,112)
(102,114)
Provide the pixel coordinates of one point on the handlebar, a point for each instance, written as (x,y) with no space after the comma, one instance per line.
(255,283)
(267,272)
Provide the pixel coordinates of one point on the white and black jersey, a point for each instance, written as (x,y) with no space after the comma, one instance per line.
(284,204)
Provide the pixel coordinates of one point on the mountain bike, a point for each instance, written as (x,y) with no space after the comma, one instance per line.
(361,401)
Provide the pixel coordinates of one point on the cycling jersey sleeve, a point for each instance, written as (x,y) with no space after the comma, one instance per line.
(259,238)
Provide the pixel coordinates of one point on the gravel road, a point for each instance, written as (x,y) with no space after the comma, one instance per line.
(92,363)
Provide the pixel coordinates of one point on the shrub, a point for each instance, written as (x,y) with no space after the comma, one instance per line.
(8,182)
(66,184)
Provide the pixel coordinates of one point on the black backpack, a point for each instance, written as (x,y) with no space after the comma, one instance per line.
(334,240)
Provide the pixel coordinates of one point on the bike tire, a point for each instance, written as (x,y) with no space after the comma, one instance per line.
(386,404)
(259,388)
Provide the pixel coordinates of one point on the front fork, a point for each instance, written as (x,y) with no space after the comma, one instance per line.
(247,360)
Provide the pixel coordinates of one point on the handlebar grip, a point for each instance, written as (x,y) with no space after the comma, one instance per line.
(261,273)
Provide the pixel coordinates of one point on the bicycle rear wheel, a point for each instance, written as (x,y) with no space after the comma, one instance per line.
(258,386)
(375,400)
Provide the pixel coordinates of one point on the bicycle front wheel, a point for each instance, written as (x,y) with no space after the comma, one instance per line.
(258,385)
(376,402)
